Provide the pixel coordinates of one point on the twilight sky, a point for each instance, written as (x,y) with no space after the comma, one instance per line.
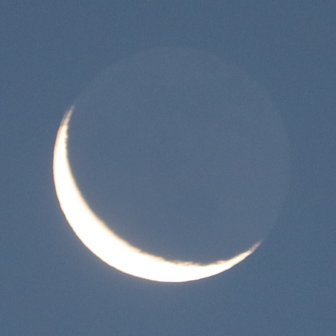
(50,54)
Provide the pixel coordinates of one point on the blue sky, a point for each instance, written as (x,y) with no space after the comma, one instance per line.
(50,284)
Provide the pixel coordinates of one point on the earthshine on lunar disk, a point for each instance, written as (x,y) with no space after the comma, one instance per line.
(106,244)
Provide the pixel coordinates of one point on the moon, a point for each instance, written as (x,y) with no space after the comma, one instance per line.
(106,244)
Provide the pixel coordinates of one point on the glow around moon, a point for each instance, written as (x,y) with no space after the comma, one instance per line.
(108,246)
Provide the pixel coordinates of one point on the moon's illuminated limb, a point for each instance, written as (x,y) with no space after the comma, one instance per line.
(105,244)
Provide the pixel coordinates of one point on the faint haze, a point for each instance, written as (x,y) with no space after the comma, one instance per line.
(182,153)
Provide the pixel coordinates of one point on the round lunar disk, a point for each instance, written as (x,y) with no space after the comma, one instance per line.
(106,244)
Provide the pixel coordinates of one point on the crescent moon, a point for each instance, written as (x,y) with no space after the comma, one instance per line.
(106,244)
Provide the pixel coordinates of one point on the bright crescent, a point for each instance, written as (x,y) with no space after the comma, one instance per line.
(107,245)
